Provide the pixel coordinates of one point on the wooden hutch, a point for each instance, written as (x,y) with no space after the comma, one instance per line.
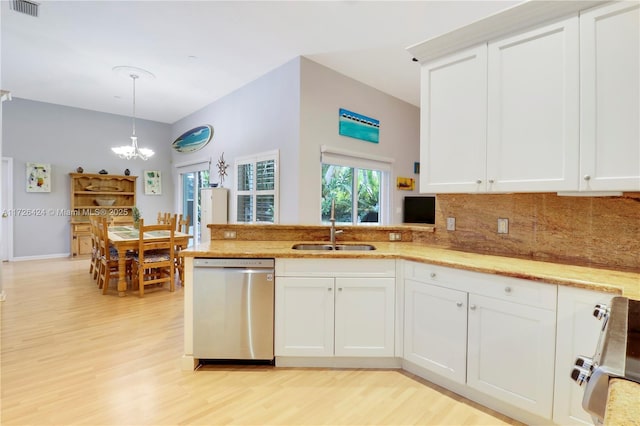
(113,196)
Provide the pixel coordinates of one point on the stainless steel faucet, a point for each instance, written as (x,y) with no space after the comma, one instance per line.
(333,231)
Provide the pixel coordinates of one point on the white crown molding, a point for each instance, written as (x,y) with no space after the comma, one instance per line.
(519,17)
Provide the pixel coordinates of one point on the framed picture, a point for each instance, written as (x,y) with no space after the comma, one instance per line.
(358,126)
(406,184)
(152,182)
(38,177)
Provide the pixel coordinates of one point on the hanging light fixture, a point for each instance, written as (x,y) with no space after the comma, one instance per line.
(129,152)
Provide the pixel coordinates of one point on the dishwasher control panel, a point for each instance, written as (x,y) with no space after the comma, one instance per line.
(233,263)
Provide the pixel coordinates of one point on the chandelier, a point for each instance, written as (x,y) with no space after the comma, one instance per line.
(129,152)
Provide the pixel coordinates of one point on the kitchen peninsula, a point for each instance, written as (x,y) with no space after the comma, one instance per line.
(543,292)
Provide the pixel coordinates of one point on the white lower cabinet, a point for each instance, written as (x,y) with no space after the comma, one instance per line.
(364,317)
(435,329)
(511,353)
(493,333)
(577,334)
(340,314)
(304,316)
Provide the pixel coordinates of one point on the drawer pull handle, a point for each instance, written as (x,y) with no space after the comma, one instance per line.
(329,289)
(472,307)
(459,304)
(507,289)
(433,275)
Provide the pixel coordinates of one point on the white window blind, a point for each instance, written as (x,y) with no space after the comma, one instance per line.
(340,157)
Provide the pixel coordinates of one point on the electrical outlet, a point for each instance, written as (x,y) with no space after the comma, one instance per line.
(503,226)
(229,235)
(395,236)
(451,224)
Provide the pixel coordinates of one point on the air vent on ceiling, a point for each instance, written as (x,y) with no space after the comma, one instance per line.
(25,6)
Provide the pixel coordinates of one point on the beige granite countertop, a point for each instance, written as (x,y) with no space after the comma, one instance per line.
(616,282)
(623,406)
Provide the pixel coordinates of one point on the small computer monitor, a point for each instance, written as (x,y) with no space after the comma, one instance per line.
(419,209)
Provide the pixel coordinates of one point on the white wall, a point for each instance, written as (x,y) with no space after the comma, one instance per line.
(294,108)
(66,138)
(323,93)
(2,295)
(259,117)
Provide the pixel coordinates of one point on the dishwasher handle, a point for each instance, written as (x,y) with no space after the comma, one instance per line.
(233,263)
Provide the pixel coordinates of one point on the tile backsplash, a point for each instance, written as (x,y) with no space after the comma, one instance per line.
(590,231)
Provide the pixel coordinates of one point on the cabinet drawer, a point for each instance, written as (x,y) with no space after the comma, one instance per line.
(336,267)
(82,227)
(532,293)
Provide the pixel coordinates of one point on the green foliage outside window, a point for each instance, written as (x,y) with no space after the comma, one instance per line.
(338,183)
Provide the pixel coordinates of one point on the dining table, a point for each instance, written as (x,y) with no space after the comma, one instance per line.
(127,238)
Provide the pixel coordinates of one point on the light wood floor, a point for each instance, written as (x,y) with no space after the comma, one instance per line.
(73,356)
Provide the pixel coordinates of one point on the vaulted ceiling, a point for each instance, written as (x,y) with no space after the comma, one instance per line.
(199,51)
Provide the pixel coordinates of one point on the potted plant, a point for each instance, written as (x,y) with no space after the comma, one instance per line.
(135,214)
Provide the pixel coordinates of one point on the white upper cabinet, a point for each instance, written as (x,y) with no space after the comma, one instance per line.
(533,112)
(553,108)
(503,116)
(453,130)
(610,92)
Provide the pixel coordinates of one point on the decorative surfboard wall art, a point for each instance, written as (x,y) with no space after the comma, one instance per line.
(194,139)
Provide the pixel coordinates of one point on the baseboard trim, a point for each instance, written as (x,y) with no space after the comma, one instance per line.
(41,257)
(338,362)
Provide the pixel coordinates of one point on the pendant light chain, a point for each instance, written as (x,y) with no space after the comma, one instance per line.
(134,77)
(132,151)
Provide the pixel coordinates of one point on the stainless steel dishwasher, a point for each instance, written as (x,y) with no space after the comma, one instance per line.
(233,302)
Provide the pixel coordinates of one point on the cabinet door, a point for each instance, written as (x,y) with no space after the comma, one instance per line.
(453,123)
(84,244)
(435,329)
(577,334)
(304,316)
(610,92)
(364,317)
(533,110)
(511,350)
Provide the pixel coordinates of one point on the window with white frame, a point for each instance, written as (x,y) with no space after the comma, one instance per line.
(257,188)
(357,184)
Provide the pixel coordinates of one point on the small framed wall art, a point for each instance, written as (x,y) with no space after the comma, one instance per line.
(152,182)
(38,177)
(358,126)
(406,184)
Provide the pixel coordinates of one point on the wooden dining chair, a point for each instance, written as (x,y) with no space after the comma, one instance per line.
(154,263)
(95,248)
(109,265)
(164,218)
(182,225)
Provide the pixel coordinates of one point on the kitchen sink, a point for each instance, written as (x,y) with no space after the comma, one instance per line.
(349,247)
(354,247)
(312,247)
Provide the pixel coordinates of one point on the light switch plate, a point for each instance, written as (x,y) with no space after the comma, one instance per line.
(451,224)
(503,226)
(229,235)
